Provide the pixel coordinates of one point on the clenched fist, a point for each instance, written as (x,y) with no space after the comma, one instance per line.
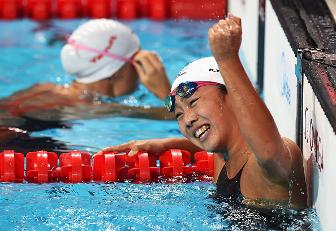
(225,38)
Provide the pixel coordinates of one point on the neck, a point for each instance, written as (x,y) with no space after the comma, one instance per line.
(237,148)
(237,151)
(96,88)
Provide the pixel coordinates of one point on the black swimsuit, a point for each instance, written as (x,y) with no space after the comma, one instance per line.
(229,188)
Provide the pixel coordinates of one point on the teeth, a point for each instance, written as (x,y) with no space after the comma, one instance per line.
(201,130)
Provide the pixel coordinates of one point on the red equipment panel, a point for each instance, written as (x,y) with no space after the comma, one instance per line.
(198,9)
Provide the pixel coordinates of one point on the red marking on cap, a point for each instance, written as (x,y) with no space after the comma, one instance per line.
(106,49)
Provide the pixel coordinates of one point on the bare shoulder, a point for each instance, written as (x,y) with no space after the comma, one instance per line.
(293,149)
(43,87)
(34,89)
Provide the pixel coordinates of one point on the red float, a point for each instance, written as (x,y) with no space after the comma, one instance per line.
(174,163)
(68,9)
(123,9)
(99,8)
(143,8)
(159,9)
(127,9)
(204,163)
(40,167)
(110,167)
(11,166)
(75,167)
(11,9)
(39,9)
(144,168)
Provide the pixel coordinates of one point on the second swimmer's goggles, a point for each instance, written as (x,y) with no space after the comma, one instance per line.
(185,90)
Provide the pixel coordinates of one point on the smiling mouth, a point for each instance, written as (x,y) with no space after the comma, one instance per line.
(199,133)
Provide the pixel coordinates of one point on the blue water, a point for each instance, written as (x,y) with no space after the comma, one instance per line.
(29,55)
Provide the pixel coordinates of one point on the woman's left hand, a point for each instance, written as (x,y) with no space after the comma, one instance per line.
(152,73)
(152,146)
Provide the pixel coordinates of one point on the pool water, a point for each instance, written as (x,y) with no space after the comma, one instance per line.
(29,55)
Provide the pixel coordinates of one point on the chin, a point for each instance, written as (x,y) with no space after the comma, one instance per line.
(211,147)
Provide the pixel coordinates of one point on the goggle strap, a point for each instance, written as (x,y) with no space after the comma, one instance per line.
(90,49)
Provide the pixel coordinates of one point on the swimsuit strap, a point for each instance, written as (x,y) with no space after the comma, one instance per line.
(229,188)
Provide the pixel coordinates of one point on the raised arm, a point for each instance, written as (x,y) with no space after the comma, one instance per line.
(255,121)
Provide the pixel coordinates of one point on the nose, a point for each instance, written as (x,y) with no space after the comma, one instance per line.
(190,117)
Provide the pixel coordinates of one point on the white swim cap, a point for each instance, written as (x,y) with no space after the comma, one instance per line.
(201,70)
(98,49)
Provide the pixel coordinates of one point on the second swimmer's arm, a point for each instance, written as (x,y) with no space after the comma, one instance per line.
(64,113)
(157,113)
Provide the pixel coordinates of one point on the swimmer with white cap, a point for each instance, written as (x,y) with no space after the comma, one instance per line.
(106,55)
(218,110)
(106,60)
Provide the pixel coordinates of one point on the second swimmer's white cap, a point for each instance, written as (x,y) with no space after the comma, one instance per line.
(98,49)
(202,70)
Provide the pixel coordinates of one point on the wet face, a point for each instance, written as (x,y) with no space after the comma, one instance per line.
(204,118)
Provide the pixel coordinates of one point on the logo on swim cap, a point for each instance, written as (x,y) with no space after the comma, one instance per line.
(214,70)
(181,73)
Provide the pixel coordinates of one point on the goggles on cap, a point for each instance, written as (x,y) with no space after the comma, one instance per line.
(73,43)
(185,90)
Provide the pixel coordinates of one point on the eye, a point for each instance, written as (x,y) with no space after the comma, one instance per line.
(193,102)
(178,115)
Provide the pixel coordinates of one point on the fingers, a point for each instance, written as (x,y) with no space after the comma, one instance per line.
(139,68)
(138,62)
(149,60)
(133,152)
(237,20)
(152,147)
(225,38)
(146,62)
(118,148)
(152,73)
(228,26)
(231,26)
(131,148)
(155,60)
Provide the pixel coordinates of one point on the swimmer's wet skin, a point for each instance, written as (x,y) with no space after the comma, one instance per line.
(110,205)
(227,117)
(105,58)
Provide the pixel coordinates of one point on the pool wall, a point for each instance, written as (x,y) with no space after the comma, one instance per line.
(300,93)
(249,48)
